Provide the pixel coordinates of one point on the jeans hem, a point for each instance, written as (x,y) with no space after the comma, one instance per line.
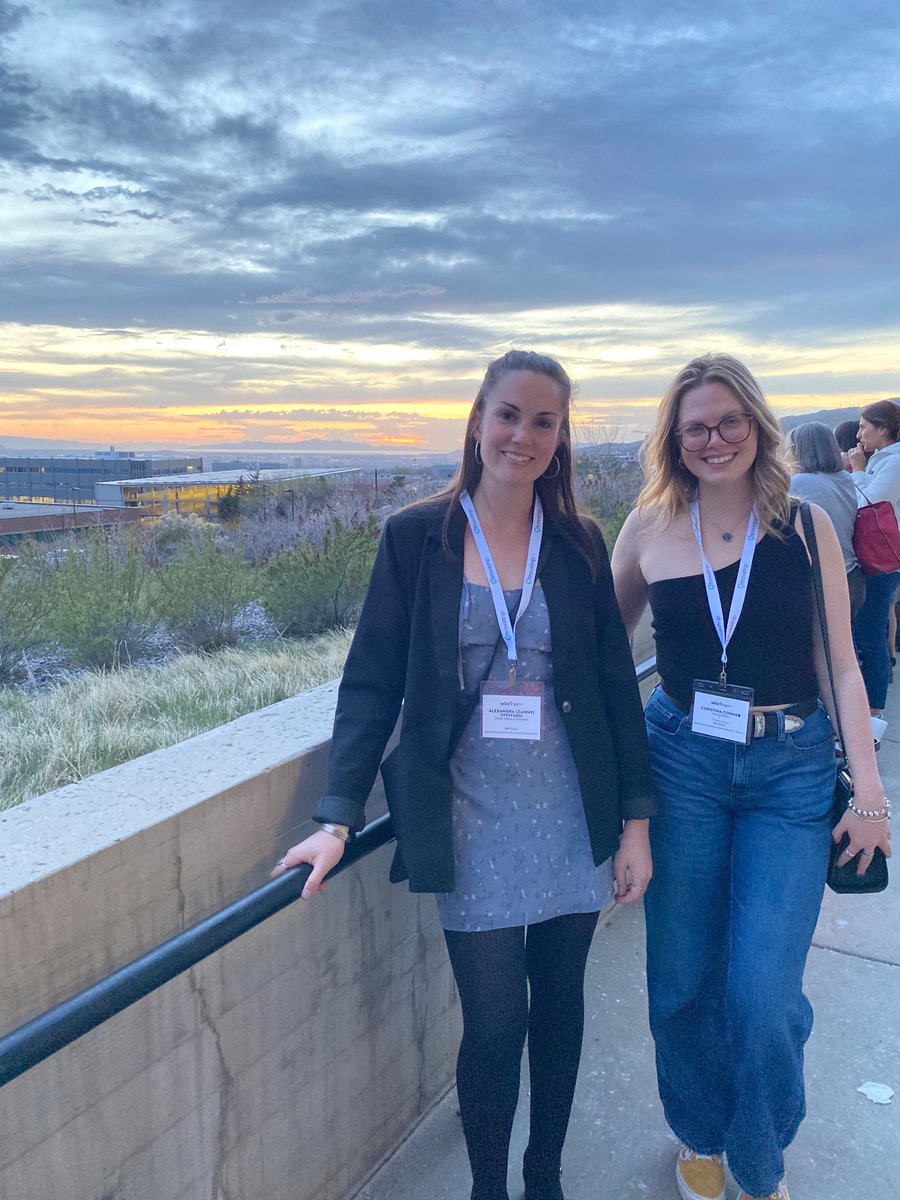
(691,1143)
(783,1143)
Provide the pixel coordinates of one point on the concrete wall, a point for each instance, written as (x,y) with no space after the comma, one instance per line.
(290,1064)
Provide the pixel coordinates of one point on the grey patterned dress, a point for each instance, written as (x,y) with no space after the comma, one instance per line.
(520,841)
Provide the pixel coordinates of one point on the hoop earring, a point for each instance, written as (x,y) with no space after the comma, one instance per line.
(478,457)
(556,472)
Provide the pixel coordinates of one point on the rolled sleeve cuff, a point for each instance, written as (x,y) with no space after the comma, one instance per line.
(637,808)
(340,810)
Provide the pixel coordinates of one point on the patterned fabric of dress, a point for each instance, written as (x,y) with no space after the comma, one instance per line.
(520,839)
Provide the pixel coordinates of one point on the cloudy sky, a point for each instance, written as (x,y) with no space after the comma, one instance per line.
(269,222)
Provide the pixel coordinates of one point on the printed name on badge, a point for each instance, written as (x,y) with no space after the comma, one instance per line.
(721,711)
(512,712)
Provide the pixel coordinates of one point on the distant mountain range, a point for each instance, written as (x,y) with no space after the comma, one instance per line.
(832,417)
(309,445)
(18,444)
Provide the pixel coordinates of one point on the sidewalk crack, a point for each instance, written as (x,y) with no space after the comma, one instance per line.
(884,962)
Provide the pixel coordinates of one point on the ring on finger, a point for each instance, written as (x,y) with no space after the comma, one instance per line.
(280,863)
(866,853)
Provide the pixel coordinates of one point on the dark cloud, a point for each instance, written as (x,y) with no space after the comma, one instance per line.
(351,169)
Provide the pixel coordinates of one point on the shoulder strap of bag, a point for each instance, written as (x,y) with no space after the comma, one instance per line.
(809,531)
(868,502)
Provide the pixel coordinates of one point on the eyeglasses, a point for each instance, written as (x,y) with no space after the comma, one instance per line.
(733,428)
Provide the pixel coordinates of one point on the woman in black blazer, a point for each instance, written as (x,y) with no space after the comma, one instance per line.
(520,788)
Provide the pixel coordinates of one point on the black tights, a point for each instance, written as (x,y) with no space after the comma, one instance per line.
(495,971)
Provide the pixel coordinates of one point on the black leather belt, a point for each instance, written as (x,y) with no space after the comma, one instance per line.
(763,724)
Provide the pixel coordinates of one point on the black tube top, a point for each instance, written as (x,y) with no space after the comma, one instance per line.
(771,649)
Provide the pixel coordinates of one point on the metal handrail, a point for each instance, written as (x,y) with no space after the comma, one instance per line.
(44,1035)
(37,1039)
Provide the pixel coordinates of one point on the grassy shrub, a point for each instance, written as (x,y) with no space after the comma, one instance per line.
(23,609)
(313,587)
(98,720)
(612,526)
(21,613)
(174,537)
(95,589)
(202,588)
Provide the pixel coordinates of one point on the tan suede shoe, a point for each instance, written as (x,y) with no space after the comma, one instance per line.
(700,1176)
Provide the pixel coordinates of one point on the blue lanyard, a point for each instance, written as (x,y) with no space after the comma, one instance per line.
(739,595)
(507,627)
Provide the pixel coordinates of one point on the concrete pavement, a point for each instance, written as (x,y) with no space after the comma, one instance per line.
(619,1146)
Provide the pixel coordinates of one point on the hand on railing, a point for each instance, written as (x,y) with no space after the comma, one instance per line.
(321,850)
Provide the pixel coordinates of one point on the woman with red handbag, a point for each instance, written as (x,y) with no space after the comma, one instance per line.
(877,480)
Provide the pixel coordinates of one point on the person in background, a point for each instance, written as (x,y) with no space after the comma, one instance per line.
(742,752)
(875,471)
(819,476)
(846,435)
(520,787)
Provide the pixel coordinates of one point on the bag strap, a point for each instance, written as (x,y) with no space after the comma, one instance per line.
(813,547)
(868,503)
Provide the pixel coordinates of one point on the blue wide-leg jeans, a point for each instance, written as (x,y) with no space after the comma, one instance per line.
(740,849)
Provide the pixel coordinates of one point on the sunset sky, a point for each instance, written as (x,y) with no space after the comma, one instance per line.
(236,223)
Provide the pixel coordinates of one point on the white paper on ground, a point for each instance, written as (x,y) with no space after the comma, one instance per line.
(879,725)
(878,1093)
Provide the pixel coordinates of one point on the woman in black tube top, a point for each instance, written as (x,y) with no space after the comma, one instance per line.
(740,842)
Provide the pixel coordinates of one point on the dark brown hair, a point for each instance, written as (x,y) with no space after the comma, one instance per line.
(846,434)
(557,491)
(884,414)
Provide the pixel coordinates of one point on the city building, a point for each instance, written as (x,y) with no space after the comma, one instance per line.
(45,522)
(201,493)
(57,478)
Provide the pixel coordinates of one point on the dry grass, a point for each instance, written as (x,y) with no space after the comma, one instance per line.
(98,720)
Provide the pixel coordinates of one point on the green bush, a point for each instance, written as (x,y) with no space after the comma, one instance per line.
(612,526)
(96,596)
(311,588)
(22,605)
(233,500)
(200,594)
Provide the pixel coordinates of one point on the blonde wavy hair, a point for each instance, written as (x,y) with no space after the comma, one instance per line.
(670,487)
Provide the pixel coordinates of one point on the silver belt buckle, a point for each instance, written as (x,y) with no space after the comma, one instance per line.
(791,723)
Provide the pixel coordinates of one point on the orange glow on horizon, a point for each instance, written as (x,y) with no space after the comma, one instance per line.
(387,439)
(430,427)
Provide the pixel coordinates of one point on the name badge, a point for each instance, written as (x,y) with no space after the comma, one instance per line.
(721,710)
(512,710)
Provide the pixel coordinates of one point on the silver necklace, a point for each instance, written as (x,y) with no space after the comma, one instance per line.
(725,534)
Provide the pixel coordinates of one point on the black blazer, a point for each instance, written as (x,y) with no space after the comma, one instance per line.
(406,649)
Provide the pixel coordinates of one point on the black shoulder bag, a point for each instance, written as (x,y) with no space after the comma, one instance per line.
(845,878)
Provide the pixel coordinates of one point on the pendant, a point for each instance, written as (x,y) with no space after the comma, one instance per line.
(727,537)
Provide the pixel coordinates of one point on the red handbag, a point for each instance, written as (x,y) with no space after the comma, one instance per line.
(876,538)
